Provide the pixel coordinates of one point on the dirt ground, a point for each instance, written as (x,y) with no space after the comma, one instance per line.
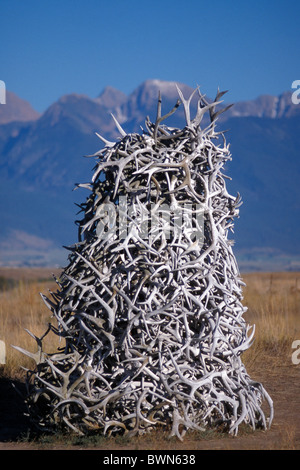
(283,384)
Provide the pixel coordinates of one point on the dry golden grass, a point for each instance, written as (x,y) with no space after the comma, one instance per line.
(21,308)
(273,301)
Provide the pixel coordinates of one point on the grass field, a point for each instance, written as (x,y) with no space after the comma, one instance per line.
(273,301)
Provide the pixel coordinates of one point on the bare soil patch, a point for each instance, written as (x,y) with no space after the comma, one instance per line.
(282,383)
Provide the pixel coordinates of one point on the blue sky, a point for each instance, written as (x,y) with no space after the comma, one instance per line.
(51,48)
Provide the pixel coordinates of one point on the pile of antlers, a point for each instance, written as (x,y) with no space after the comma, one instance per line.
(149,307)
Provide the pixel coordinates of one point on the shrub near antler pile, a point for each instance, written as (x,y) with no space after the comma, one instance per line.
(149,307)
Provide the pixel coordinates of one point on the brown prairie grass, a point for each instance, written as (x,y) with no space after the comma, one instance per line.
(273,302)
(21,309)
(272,299)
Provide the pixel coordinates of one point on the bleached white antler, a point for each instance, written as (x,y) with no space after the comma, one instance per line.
(149,308)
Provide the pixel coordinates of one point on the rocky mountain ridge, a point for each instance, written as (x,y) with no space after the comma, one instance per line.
(41,160)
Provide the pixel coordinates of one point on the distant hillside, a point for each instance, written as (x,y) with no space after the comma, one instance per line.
(41,159)
(16,109)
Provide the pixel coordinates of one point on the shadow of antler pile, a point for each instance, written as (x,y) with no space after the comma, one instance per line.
(152,326)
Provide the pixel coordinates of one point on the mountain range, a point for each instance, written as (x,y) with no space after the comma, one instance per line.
(42,157)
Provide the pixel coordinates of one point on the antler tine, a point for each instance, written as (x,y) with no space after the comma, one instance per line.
(201,110)
(152,331)
(159,117)
(120,128)
(105,141)
(186,104)
(213,114)
(223,110)
(158,114)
